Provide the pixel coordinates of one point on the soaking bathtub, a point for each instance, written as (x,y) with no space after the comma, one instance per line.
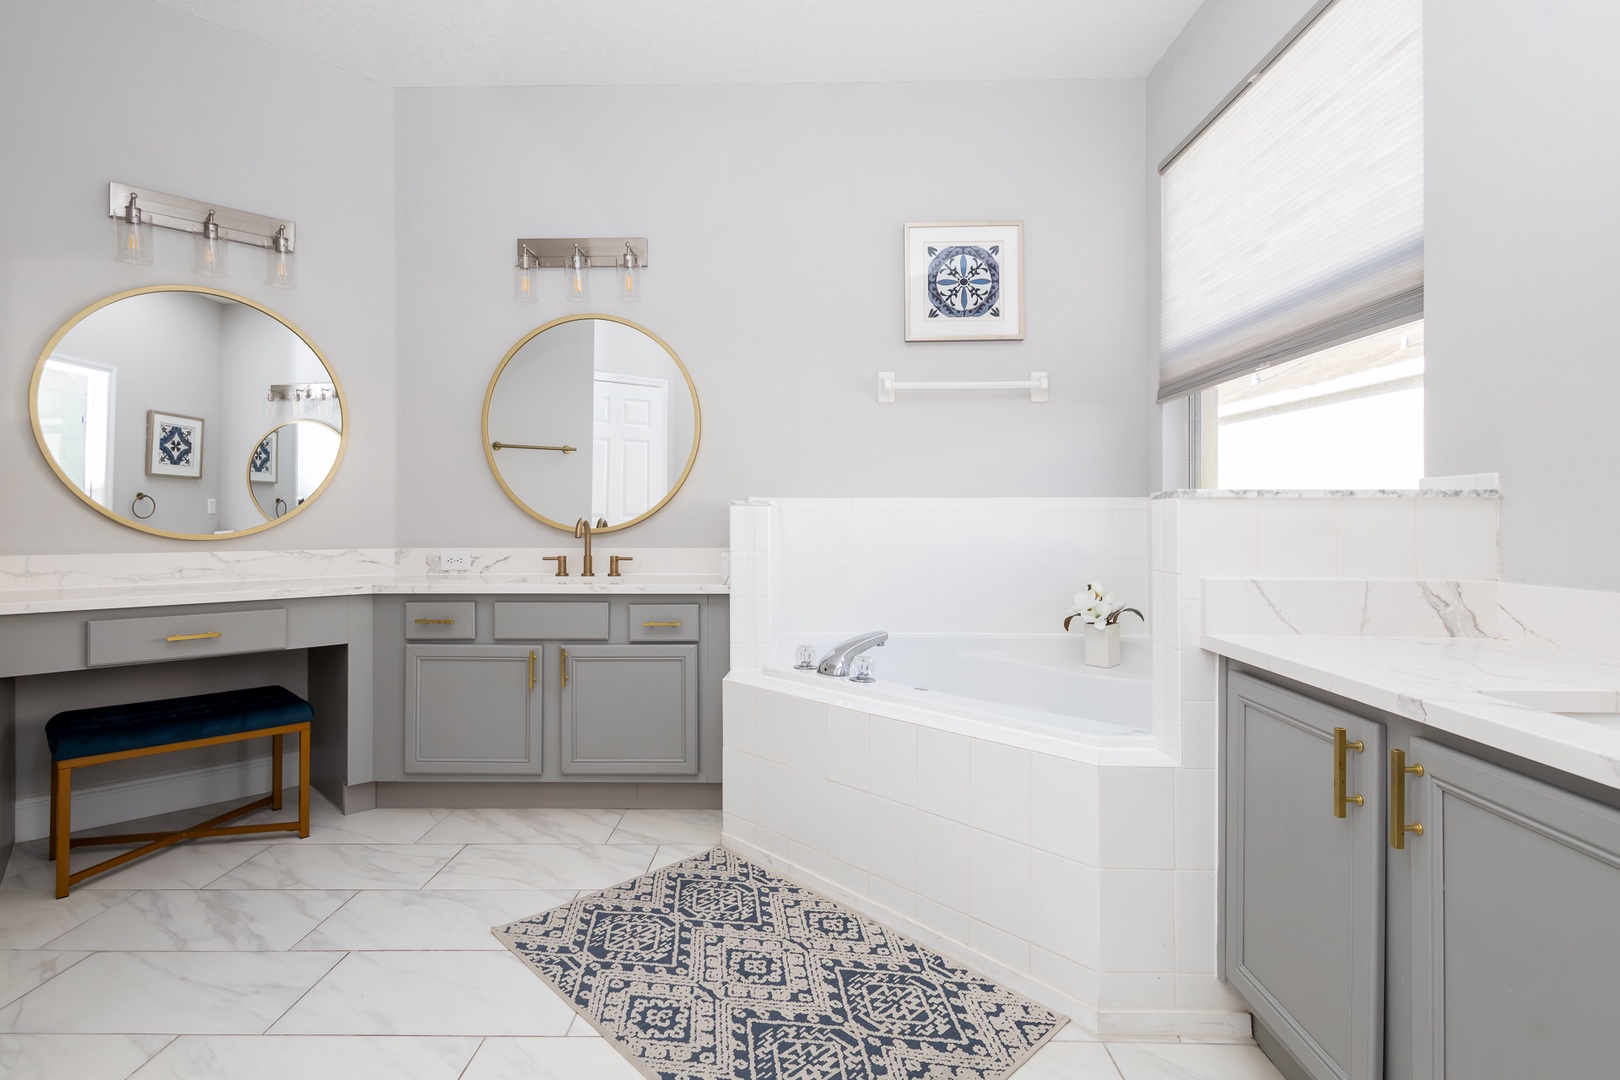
(1034,685)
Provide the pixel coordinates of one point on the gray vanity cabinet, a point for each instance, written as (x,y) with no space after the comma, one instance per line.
(1304,888)
(1515,899)
(629,710)
(473,709)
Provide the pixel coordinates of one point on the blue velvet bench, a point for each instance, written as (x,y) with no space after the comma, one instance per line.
(116,732)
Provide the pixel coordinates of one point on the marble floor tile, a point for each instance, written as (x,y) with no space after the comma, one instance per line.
(206,993)
(31,917)
(339,866)
(543,866)
(527,826)
(668,827)
(674,853)
(428,993)
(310,1057)
(22,970)
(452,919)
(1191,1061)
(76,1057)
(183,866)
(1070,1061)
(202,920)
(549,1059)
(1073,1032)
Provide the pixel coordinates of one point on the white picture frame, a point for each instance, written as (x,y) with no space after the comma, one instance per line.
(964,281)
(262,462)
(174,445)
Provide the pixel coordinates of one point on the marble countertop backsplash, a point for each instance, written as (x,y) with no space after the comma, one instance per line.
(37,583)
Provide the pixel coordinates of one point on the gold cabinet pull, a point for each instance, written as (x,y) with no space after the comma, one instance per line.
(531,669)
(1399,770)
(1342,801)
(194,637)
(563,667)
(435,622)
(675,623)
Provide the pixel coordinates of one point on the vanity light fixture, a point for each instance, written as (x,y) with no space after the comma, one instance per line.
(132,233)
(576,257)
(136,210)
(523,282)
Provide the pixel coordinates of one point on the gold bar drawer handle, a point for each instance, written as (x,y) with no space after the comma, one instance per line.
(1342,799)
(650,625)
(435,622)
(1399,770)
(193,637)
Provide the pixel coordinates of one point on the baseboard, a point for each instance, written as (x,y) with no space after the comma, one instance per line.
(1199,1022)
(142,796)
(595,795)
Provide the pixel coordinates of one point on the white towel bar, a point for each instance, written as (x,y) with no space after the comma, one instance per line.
(1036,384)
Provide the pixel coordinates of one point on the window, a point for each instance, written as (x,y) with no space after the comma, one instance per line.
(1346,417)
(1292,289)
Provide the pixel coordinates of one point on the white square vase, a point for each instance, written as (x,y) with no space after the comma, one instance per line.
(1102,645)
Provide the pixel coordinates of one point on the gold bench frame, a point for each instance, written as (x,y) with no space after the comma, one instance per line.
(62,840)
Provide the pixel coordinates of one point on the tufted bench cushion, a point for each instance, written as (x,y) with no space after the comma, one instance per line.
(112,729)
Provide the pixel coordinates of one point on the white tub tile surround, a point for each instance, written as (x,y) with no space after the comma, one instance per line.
(1092,887)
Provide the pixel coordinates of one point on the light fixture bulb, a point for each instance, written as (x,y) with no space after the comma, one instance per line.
(208,250)
(578,277)
(132,235)
(524,279)
(280,265)
(629,276)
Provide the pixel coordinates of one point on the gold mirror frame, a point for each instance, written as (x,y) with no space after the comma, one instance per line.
(247,472)
(108,512)
(697,423)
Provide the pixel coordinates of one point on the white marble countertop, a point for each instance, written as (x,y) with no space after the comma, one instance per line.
(216,591)
(1553,706)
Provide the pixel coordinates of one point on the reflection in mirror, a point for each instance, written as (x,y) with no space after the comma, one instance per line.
(591,417)
(150,404)
(288,464)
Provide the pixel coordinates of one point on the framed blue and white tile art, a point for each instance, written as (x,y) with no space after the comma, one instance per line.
(965,281)
(262,465)
(174,445)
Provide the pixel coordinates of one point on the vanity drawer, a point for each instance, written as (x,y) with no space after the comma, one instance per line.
(547,620)
(184,637)
(453,621)
(663,622)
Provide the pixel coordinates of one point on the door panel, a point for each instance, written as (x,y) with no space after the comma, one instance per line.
(472,709)
(1305,889)
(1515,894)
(630,709)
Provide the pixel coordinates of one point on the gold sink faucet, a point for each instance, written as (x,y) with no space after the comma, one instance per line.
(582,528)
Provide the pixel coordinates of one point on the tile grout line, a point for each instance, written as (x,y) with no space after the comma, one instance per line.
(470,1057)
(324,975)
(172,1039)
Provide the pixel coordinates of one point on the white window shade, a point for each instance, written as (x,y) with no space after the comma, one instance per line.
(1294,221)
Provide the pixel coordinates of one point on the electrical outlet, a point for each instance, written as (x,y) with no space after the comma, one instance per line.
(213,506)
(455,560)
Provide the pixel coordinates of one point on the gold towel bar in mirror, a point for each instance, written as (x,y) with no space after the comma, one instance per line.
(526,446)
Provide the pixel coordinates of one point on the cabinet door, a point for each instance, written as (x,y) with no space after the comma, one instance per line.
(1515,894)
(472,709)
(629,710)
(1304,889)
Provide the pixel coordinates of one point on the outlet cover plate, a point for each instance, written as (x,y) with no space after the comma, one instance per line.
(455,560)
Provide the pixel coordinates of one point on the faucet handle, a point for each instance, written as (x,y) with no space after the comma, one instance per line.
(615,560)
(562,564)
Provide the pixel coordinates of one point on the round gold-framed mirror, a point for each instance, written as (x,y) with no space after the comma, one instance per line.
(288,463)
(591,416)
(149,403)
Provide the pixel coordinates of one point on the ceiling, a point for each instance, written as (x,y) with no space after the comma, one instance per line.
(597,42)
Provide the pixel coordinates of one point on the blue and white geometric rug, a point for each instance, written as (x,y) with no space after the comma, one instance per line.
(716,968)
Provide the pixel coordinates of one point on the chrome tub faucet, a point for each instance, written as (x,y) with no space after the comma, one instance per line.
(836,663)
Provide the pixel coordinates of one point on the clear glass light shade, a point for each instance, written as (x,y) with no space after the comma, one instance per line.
(629,277)
(523,284)
(280,269)
(208,256)
(132,240)
(577,279)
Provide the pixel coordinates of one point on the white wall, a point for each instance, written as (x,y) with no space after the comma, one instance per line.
(100,90)
(774,215)
(1522,273)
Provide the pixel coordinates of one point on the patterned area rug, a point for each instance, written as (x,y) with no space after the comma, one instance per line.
(716,968)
